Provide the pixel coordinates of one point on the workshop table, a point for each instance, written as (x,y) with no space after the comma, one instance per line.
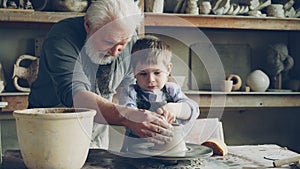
(239,157)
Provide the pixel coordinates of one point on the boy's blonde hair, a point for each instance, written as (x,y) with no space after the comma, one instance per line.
(151,50)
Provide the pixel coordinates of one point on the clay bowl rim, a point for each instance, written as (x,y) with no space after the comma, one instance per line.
(54,113)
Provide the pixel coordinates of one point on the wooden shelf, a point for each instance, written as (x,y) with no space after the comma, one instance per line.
(35,16)
(170,20)
(245,99)
(15,100)
(205,99)
(222,21)
(4,94)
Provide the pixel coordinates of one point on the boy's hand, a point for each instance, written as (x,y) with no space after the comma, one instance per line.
(169,117)
(171,111)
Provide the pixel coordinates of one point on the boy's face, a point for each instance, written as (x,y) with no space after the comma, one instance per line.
(151,79)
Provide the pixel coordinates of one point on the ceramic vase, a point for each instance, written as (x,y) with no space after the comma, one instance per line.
(28,73)
(258,81)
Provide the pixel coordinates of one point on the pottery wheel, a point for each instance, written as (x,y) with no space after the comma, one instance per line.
(193,151)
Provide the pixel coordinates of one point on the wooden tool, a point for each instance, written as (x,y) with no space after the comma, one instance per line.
(281,162)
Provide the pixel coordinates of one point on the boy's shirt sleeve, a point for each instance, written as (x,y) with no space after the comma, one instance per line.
(178,96)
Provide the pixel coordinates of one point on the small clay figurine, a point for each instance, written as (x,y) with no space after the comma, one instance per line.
(28,5)
(12,4)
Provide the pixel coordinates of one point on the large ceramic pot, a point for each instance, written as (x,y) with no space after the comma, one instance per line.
(54,137)
(258,81)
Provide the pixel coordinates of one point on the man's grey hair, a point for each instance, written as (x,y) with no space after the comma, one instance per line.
(102,12)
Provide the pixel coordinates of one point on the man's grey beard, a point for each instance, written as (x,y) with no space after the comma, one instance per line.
(98,57)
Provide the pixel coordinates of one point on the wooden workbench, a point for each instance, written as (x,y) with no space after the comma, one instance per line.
(253,156)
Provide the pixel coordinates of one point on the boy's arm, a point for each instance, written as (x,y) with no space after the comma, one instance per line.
(184,107)
(181,110)
(127,97)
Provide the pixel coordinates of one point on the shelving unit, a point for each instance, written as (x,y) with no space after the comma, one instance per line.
(239,116)
(234,99)
(169,20)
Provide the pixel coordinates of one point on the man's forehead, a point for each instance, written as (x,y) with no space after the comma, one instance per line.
(116,29)
(109,38)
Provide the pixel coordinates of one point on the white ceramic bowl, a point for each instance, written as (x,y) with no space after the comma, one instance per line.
(54,137)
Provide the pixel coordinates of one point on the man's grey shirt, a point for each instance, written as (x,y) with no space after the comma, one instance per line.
(65,70)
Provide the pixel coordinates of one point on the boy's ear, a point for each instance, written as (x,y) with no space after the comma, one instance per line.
(170,68)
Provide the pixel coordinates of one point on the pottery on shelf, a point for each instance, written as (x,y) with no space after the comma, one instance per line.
(28,73)
(155,6)
(69,5)
(226,85)
(258,81)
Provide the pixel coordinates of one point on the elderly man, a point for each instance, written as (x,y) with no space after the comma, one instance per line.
(85,60)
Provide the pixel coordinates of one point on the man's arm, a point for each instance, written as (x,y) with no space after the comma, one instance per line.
(144,123)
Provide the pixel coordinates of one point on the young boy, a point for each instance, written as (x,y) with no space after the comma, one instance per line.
(151,64)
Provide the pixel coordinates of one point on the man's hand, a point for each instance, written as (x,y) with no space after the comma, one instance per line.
(144,123)
(148,125)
